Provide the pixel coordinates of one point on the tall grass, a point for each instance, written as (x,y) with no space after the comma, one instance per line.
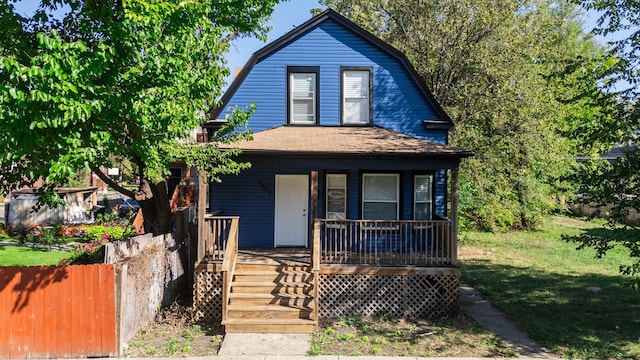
(541,282)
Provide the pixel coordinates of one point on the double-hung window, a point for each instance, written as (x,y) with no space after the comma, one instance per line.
(336,196)
(356,96)
(303,95)
(422,197)
(380,196)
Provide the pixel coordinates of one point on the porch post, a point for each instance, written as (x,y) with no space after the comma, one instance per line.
(314,198)
(454,216)
(202,209)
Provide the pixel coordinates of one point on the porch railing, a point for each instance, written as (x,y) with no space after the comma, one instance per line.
(386,243)
(371,242)
(216,234)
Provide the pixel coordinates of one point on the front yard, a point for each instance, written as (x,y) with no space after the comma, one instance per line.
(541,283)
(13,255)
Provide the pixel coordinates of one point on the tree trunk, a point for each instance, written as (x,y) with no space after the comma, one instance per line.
(154,202)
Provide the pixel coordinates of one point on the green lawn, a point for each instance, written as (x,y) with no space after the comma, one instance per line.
(11,255)
(540,282)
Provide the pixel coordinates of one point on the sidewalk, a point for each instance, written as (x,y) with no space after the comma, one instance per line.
(494,320)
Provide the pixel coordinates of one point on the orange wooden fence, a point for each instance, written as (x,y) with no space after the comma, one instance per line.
(51,312)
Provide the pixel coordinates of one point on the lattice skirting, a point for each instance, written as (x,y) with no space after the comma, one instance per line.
(208,295)
(416,296)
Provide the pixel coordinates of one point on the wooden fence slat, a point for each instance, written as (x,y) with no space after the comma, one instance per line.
(66,294)
(108,312)
(52,313)
(22,336)
(39,303)
(5,298)
(93,309)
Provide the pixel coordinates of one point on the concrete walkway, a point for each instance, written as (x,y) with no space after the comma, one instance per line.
(494,320)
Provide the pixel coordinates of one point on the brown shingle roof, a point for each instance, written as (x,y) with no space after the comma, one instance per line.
(344,140)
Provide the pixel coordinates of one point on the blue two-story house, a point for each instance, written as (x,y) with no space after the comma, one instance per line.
(350,163)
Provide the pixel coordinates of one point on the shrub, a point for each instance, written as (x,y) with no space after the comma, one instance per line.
(86,253)
(21,232)
(104,234)
(72,230)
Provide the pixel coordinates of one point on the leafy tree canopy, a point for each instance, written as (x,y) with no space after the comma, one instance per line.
(112,80)
(499,67)
(615,185)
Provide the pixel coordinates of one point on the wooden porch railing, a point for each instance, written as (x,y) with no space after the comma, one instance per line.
(229,265)
(382,242)
(217,231)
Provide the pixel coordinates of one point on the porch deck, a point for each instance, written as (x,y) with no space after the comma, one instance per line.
(405,268)
(275,257)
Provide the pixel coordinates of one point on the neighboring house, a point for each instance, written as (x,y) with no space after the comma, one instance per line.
(80,203)
(348,184)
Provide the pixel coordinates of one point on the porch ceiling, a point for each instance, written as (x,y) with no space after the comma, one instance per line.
(344,140)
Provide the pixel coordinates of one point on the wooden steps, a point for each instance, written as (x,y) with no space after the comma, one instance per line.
(271,299)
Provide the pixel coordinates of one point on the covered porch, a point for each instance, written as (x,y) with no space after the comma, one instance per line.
(350,267)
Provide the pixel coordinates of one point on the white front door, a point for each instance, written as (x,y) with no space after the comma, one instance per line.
(292,200)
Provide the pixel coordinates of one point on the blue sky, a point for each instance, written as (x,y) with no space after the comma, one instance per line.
(286,16)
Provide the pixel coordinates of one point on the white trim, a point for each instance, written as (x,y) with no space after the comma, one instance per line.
(429,202)
(313,98)
(326,196)
(356,98)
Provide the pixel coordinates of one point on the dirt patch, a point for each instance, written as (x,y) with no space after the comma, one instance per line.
(457,336)
(175,334)
(474,253)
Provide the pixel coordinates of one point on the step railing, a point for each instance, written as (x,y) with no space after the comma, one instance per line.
(229,265)
(216,234)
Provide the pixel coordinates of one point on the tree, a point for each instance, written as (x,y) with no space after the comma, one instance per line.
(616,183)
(114,80)
(489,63)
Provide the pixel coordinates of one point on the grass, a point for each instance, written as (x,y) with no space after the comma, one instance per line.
(540,282)
(11,255)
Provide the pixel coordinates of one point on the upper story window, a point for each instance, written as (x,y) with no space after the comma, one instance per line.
(380,196)
(302,95)
(356,96)
(422,197)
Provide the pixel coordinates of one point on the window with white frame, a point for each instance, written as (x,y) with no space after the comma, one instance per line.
(380,196)
(422,197)
(302,97)
(336,196)
(356,97)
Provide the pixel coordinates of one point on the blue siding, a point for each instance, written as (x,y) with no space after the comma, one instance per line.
(397,102)
(251,195)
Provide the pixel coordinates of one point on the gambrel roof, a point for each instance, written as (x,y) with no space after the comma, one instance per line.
(330,15)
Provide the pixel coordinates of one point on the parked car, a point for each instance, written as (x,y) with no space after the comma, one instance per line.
(128,206)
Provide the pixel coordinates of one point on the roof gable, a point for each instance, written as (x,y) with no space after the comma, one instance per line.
(331,15)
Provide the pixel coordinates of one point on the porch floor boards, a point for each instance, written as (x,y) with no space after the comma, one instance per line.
(277,256)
